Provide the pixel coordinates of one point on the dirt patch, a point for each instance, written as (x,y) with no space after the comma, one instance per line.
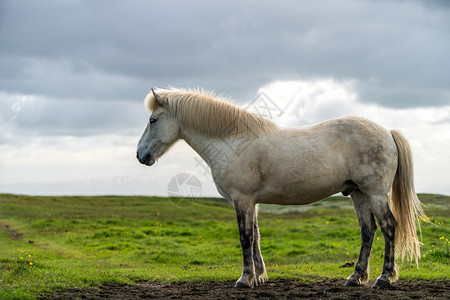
(13,234)
(277,289)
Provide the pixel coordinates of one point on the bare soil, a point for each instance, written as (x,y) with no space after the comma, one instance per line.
(277,289)
(13,234)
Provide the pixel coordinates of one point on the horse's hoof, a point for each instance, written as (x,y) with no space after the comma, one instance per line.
(381,284)
(241,286)
(351,283)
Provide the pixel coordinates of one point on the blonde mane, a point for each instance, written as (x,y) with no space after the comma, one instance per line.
(204,112)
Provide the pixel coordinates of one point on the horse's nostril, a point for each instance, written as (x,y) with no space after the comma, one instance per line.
(137,155)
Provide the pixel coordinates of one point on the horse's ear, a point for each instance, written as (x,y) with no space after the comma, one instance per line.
(157,98)
(152,101)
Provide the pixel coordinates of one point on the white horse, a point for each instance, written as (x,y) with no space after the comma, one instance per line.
(253,160)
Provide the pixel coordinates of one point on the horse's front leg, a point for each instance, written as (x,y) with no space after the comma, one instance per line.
(245,213)
(260,267)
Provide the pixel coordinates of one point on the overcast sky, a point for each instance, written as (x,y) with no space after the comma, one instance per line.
(73,76)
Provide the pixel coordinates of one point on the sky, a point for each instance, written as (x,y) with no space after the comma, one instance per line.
(73,76)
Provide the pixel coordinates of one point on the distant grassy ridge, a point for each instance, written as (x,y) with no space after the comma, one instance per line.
(72,241)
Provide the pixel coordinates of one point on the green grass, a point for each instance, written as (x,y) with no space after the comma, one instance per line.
(85,241)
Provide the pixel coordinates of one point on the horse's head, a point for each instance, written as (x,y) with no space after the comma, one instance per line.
(161,132)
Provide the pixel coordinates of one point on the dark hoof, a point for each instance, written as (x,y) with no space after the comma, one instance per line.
(351,283)
(241,286)
(381,284)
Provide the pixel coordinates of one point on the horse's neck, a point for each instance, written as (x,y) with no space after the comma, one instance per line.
(209,148)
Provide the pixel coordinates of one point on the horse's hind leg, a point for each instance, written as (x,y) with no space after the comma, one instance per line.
(245,213)
(260,267)
(368,228)
(380,208)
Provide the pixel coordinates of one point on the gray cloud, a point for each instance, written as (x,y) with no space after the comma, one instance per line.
(396,50)
(22,118)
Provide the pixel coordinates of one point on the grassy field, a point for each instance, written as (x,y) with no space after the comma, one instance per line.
(49,243)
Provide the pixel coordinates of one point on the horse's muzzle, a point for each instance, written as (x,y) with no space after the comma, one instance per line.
(145,158)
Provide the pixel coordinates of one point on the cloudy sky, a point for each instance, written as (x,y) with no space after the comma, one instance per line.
(73,76)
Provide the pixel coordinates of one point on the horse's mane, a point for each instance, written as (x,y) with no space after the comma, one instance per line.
(204,112)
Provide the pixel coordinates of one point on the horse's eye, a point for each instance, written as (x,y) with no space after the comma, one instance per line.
(152,120)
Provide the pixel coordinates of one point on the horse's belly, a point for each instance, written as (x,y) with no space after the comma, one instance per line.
(296,194)
(306,177)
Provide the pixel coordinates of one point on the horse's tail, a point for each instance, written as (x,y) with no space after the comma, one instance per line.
(405,205)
